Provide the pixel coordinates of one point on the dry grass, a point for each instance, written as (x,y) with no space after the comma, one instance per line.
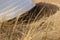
(40,23)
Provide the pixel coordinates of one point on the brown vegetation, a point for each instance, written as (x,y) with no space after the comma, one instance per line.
(40,23)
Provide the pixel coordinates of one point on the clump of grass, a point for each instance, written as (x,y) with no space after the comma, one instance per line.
(32,25)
